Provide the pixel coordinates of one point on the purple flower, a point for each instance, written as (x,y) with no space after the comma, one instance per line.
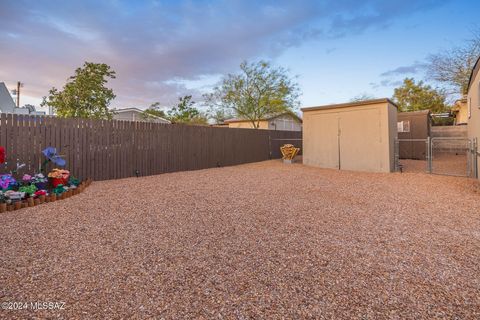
(6,180)
(51,154)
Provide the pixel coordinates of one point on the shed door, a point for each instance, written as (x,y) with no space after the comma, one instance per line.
(360,140)
(323,147)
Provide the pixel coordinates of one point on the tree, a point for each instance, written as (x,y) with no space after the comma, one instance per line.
(185,112)
(220,115)
(84,95)
(259,90)
(154,111)
(362,97)
(413,96)
(453,67)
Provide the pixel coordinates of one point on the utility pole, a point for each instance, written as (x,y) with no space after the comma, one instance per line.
(19,85)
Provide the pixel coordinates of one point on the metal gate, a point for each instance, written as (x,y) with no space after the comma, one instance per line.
(419,164)
(445,156)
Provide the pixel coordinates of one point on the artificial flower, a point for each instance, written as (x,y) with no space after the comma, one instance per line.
(59,174)
(38,178)
(2,155)
(14,195)
(73,181)
(59,189)
(7,181)
(40,193)
(51,154)
(30,189)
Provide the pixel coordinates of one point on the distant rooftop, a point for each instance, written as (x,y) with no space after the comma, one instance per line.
(350,104)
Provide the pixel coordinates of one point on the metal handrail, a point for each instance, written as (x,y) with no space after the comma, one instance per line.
(412,140)
(449,138)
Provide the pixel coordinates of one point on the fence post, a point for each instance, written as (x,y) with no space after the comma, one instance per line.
(269,145)
(396,156)
(475,155)
(429,154)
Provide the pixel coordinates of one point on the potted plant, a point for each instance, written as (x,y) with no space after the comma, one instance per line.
(59,177)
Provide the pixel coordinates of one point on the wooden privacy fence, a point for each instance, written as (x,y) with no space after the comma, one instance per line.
(114,149)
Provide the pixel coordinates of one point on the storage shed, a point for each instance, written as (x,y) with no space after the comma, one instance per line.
(413,125)
(351,136)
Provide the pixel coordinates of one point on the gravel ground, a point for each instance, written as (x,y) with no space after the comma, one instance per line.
(262,240)
(443,163)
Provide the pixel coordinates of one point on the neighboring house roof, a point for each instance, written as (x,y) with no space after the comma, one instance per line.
(7,105)
(415,112)
(351,104)
(139,111)
(270,117)
(474,73)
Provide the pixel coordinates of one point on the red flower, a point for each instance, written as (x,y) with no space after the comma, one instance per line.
(2,155)
(40,193)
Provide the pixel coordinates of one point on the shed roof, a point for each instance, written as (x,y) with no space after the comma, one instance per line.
(474,73)
(350,104)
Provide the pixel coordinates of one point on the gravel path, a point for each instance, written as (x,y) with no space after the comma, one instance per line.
(262,240)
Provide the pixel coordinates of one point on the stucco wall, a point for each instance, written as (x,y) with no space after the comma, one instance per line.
(473,99)
(247,125)
(462,113)
(359,137)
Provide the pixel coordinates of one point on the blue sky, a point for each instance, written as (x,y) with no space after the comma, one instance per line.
(165,49)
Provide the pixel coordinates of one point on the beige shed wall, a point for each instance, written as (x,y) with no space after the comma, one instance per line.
(473,99)
(359,138)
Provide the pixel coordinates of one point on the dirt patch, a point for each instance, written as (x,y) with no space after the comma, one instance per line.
(262,240)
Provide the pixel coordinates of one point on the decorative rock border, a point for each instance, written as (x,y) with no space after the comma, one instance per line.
(31,202)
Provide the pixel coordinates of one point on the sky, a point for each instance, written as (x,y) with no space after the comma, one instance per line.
(161,50)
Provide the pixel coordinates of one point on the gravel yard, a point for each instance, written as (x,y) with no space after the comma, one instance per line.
(262,240)
(443,163)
